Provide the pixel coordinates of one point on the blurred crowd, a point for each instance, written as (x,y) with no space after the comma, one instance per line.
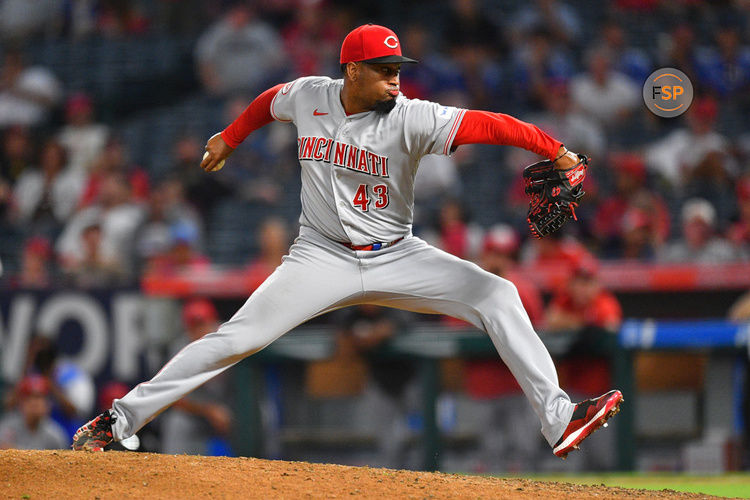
(77,209)
(54,396)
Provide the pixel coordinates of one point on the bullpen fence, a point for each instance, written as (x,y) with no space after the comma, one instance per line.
(430,344)
(111,334)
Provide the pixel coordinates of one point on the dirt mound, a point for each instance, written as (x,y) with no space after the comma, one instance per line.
(56,474)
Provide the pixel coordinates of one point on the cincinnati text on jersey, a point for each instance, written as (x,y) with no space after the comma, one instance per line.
(344,155)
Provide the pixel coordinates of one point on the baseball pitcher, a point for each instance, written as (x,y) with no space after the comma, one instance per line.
(359,143)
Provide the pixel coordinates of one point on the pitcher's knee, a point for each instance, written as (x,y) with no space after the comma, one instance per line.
(504,290)
(502,295)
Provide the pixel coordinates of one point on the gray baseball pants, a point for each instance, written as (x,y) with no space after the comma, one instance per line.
(320,275)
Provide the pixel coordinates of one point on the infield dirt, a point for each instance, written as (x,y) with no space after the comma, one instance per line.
(68,474)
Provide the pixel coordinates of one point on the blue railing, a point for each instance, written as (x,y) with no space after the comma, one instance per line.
(694,334)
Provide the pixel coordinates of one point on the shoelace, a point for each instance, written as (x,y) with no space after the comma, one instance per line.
(102,422)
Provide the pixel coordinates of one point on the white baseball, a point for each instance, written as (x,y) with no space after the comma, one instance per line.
(219,166)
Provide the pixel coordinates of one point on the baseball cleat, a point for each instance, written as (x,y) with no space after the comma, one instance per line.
(96,434)
(588,416)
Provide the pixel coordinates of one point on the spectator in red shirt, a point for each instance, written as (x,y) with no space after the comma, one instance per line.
(500,257)
(455,234)
(584,306)
(35,264)
(114,159)
(555,253)
(611,225)
(583,303)
(638,242)
(739,232)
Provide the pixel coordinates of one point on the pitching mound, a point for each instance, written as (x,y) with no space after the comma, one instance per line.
(58,474)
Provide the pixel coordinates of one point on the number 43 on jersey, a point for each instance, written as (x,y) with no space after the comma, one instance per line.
(362,197)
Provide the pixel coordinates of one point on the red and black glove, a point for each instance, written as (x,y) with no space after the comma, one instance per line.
(554,194)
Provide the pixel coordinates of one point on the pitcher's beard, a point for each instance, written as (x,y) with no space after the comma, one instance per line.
(385,107)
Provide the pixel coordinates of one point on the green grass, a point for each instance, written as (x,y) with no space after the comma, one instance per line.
(724,485)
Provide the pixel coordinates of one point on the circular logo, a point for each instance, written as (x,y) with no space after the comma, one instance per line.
(667,92)
(391,42)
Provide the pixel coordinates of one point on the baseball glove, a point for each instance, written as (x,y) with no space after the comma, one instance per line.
(554,194)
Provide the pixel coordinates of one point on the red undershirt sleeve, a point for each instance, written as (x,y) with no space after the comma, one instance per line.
(257,114)
(484,127)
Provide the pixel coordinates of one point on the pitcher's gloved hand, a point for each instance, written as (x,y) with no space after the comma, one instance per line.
(554,194)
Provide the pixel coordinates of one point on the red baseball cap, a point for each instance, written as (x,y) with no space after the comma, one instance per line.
(38,245)
(33,384)
(631,164)
(501,239)
(373,44)
(587,267)
(110,391)
(78,102)
(198,310)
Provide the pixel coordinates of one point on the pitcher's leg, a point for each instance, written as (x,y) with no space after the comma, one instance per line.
(437,282)
(309,282)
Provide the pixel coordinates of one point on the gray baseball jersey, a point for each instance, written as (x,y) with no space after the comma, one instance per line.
(357,186)
(358,170)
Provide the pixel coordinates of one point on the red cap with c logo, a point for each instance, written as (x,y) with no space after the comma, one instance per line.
(374,44)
